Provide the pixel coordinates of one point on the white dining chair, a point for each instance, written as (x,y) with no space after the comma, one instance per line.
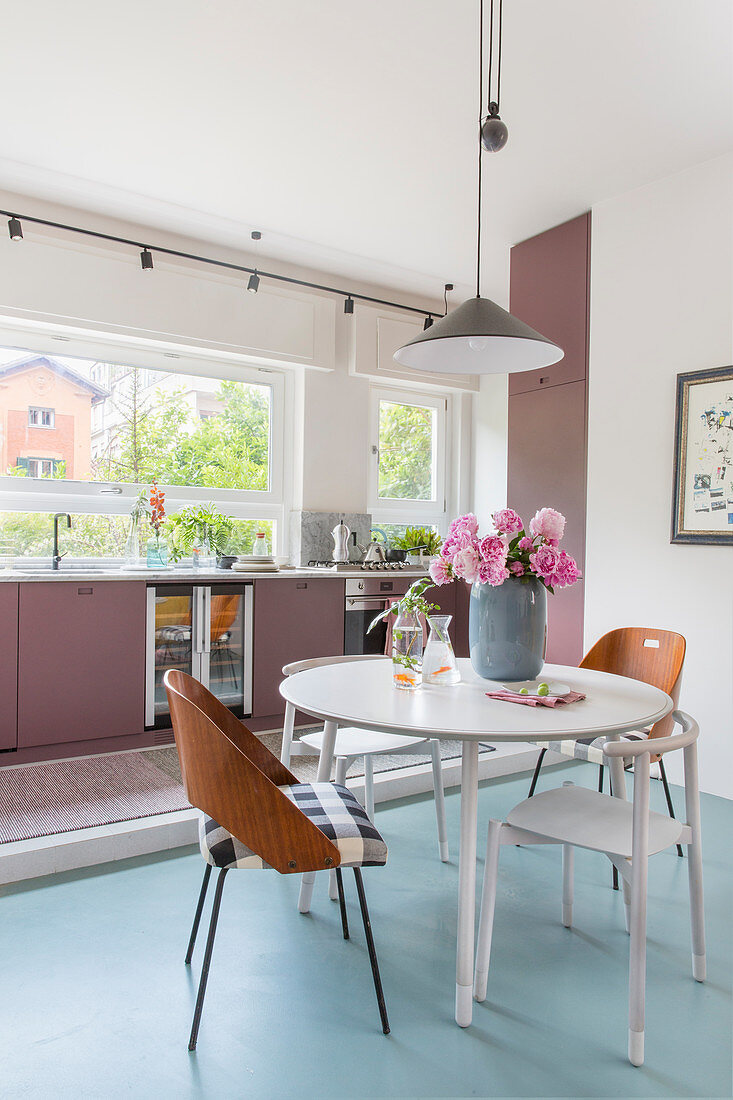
(627,833)
(352,742)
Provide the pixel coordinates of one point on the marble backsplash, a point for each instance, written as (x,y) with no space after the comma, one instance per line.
(311,539)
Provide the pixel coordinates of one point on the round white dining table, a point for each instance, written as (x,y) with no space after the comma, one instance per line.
(361,693)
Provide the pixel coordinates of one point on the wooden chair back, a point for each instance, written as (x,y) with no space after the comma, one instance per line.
(642,653)
(233,778)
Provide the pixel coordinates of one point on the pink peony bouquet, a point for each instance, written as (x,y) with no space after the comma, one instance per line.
(508,552)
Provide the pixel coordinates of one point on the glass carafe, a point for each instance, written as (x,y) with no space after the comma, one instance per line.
(439,660)
(407,651)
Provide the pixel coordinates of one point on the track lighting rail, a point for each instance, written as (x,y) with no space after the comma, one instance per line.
(255,274)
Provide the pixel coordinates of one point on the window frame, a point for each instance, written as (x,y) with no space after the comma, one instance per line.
(28,494)
(401,510)
(41,409)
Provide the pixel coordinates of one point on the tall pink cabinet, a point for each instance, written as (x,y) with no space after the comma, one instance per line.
(547,442)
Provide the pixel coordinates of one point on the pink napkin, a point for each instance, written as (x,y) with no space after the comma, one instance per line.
(532,701)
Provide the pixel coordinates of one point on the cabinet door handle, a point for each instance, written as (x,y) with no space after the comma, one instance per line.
(301,584)
(85,591)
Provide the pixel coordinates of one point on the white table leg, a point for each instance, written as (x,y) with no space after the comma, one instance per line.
(325,763)
(467,884)
(618,790)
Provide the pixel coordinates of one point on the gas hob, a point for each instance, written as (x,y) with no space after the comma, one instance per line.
(360,566)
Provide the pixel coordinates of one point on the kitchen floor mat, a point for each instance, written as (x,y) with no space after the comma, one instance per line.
(63,795)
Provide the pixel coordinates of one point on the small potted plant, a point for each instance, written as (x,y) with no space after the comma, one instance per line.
(200,530)
(417,541)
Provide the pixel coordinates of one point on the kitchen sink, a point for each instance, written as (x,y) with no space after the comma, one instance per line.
(67,574)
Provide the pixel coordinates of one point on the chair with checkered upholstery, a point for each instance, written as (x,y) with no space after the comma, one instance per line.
(255,814)
(655,656)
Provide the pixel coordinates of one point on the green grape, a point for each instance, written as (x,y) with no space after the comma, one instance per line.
(543,689)
(523,691)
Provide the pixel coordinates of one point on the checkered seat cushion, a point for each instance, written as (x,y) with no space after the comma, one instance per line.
(335,811)
(588,748)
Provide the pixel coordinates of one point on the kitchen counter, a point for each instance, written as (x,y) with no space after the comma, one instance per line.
(189,576)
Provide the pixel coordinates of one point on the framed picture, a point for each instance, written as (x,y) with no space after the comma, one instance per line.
(703,471)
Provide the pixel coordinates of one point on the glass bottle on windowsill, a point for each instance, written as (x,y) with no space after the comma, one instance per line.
(407,651)
(157,553)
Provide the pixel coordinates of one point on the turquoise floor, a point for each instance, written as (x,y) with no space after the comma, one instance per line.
(96,1001)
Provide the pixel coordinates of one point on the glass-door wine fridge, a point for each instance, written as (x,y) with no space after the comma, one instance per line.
(206,631)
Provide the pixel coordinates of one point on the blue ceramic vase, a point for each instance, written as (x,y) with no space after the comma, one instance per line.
(507,629)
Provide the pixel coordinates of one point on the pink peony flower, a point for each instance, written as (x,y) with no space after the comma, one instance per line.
(556,568)
(548,523)
(492,572)
(507,522)
(525,543)
(492,547)
(567,572)
(441,571)
(461,540)
(465,563)
(516,568)
(544,562)
(467,524)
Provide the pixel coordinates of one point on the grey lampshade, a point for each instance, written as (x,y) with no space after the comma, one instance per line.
(479,337)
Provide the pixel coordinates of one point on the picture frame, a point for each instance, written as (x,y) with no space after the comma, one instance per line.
(702,506)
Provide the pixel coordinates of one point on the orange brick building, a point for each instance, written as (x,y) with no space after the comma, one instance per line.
(46,418)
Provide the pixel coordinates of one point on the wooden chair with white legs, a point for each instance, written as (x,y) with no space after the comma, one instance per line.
(352,743)
(627,833)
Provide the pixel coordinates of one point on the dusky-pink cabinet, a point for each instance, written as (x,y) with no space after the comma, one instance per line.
(293,620)
(547,435)
(81,661)
(8,665)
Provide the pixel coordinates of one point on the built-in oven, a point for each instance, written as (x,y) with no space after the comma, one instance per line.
(365,598)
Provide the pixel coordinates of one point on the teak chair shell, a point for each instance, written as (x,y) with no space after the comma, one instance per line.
(229,775)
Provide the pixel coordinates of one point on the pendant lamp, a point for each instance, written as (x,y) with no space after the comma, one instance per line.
(479,337)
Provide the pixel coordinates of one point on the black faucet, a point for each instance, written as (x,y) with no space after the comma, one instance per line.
(56,556)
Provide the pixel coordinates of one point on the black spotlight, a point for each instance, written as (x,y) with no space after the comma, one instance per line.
(146,260)
(256,235)
(254,283)
(494,132)
(349,305)
(428,323)
(15,229)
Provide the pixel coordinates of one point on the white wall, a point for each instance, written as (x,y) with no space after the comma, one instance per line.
(661,304)
(491,409)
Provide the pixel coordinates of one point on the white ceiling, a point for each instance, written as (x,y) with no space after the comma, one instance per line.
(346,131)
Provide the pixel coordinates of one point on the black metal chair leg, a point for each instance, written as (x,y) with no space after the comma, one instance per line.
(372,951)
(615,878)
(199,911)
(600,778)
(207,960)
(536,775)
(342,903)
(668,796)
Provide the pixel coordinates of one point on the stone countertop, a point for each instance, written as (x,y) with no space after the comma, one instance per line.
(190,576)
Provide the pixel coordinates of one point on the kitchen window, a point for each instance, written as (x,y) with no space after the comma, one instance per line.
(202,437)
(41,418)
(408,457)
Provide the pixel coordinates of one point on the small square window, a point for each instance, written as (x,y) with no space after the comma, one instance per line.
(41,418)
